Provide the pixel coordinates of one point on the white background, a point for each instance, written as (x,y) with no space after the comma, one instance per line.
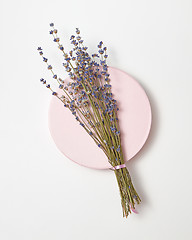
(43,195)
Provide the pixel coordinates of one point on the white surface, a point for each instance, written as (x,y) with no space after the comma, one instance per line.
(43,195)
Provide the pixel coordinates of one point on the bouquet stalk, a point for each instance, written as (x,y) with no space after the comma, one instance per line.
(89,98)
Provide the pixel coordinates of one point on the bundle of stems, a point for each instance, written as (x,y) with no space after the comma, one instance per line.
(89,98)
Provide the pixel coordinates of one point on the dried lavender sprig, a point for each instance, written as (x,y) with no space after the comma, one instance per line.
(101,52)
(104,110)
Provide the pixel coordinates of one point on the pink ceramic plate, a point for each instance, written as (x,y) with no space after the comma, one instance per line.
(134,118)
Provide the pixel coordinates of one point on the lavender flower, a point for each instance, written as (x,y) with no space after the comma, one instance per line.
(89,98)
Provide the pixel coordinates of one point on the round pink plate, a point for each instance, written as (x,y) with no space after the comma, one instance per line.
(134,119)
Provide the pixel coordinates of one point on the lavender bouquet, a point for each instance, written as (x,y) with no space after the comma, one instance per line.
(89,98)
